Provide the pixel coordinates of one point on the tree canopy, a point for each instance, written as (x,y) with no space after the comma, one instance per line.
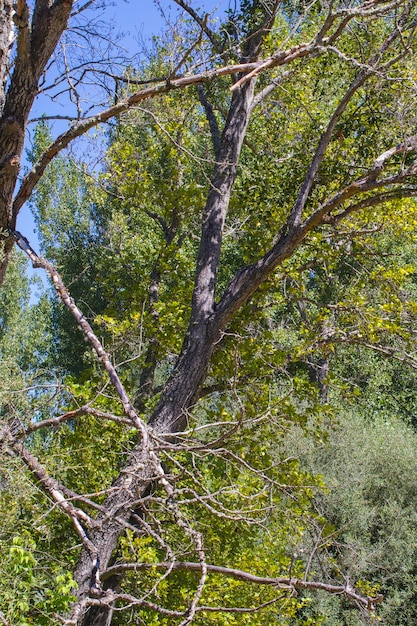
(209,415)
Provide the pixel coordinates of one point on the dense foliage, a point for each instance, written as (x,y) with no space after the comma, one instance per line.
(297,454)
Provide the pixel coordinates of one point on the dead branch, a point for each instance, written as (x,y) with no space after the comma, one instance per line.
(85,327)
(286,583)
(52,486)
(69,415)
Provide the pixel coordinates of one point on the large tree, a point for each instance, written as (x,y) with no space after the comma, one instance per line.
(314,129)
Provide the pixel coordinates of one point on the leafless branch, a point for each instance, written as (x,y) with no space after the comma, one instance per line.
(189,50)
(202,22)
(55,490)
(88,332)
(285,583)
(83,410)
(83,8)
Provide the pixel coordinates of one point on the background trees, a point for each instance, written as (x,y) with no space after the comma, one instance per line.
(238,266)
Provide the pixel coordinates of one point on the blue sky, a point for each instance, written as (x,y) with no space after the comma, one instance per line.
(146,17)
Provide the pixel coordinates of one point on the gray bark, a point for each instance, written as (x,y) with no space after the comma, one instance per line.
(183,387)
(182,390)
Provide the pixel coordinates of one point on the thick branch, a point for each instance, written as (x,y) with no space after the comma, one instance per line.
(247,280)
(217,205)
(211,118)
(6,40)
(21,19)
(35,45)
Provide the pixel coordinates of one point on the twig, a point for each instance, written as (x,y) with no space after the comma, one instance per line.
(83,410)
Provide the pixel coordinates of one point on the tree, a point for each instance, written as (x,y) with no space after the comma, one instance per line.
(348,161)
(368,500)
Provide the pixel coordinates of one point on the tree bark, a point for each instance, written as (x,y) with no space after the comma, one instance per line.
(6,42)
(182,390)
(36,42)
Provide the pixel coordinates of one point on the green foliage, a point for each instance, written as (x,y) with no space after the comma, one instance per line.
(35,581)
(66,208)
(25,336)
(368,466)
(29,596)
(295,461)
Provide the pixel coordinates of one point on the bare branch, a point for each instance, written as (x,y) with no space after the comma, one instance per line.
(83,8)
(290,584)
(189,50)
(202,22)
(277,60)
(132,493)
(52,486)
(83,410)
(88,332)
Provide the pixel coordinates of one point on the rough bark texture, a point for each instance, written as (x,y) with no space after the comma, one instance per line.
(181,392)
(36,41)
(6,42)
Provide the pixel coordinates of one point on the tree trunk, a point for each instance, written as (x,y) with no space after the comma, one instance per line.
(182,390)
